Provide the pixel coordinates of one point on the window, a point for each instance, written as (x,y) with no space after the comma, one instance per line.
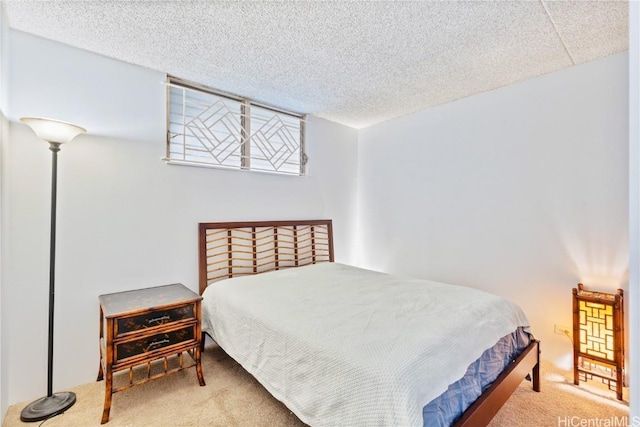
(206,127)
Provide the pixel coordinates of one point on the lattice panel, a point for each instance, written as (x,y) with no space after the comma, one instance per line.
(237,251)
(596,330)
(598,337)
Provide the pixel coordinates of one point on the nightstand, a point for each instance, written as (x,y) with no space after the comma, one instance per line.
(152,327)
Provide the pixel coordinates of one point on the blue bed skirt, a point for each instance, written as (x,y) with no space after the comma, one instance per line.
(449,406)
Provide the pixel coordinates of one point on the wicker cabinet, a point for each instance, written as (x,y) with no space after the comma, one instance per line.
(148,332)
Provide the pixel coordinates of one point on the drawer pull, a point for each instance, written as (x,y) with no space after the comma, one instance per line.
(155,343)
(159,319)
(153,319)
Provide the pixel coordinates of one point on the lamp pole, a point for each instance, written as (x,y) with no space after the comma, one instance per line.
(55,133)
(55,148)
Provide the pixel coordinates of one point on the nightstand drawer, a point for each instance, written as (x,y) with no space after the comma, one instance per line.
(151,343)
(153,319)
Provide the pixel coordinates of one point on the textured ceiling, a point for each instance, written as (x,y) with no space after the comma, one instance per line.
(353,62)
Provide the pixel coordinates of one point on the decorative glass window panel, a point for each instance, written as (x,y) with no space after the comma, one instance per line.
(210,128)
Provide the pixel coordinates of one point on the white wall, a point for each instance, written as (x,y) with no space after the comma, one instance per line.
(521,191)
(125,218)
(633,300)
(4,137)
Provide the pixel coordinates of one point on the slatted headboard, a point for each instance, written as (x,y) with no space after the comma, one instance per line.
(230,249)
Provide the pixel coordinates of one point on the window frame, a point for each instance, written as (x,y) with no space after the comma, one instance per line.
(245,128)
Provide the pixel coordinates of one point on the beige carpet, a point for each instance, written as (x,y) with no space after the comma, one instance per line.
(233,398)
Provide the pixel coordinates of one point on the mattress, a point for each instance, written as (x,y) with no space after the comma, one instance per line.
(341,345)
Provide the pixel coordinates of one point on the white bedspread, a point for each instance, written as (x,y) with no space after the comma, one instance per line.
(343,346)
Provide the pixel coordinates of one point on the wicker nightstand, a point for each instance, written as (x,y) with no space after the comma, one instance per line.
(144,326)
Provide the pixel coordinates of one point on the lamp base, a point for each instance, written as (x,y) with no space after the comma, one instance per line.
(47,406)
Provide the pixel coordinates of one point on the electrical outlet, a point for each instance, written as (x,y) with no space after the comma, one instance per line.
(562,330)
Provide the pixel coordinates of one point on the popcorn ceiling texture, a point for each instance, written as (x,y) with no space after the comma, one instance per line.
(352,62)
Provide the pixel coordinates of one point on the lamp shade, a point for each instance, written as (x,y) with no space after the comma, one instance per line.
(53,130)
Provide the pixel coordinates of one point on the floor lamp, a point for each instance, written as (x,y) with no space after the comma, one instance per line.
(55,133)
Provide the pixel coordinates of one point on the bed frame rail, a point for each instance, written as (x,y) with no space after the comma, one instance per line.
(482,411)
(231,249)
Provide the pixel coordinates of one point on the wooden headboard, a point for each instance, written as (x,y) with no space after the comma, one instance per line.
(230,249)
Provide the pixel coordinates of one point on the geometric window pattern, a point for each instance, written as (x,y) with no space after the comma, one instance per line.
(596,330)
(214,129)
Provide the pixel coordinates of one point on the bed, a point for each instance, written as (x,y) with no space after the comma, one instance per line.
(339,345)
